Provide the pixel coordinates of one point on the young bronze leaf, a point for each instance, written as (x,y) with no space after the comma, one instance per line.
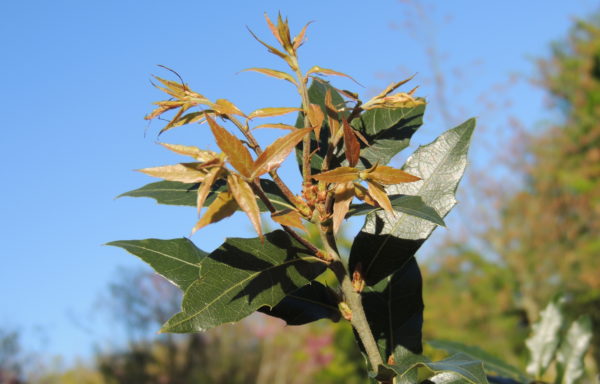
(378,193)
(276,125)
(283,29)
(273,29)
(268,112)
(338,175)
(236,152)
(183,172)
(243,194)
(275,153)
(299,39)
(206,186)
(332,114)
(274,73)
(223,206)
(362,193)
(316,117)
(288,218)
(343,197)
(192,117)
(325,71)
(188,150)
(271,49)
(388,175)
(226,107)
(351,144)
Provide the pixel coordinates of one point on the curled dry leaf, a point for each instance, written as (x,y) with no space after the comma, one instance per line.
(244,196)
(275,153)
(338,175)
(343,195)
(273,73)
(268,112)
(192,151)
(387,175)
(234,149)
(223,206)
(288,218)
(379,195)
(351,144)
(183,172)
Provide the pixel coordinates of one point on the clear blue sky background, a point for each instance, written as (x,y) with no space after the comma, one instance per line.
(75,87)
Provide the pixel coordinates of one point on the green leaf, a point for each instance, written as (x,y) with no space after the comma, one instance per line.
(387,240)
(411,205)
(468,369)
(545,338)
(178,260)
(310,303)
(394,309)
(491,363)
(176,193)
(388,131)
(241,276)
(572,351)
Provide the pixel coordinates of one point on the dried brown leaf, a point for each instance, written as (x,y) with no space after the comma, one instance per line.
(351,144)
(343,195)
(234,149)
(338,175)
(183,172)
(246,200)
(275,153)
(288,218)
(223,206)
(268,112)
(273,73)
(378,193)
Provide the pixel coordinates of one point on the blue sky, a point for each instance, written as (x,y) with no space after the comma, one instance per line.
(76,87)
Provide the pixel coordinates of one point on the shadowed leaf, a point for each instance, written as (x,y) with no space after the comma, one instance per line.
(223,206)
(289,218)
(351,144)
(343,194)
(380,196)
(241,276)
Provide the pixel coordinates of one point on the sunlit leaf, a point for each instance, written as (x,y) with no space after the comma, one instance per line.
(545,338)
(343,195)
(206,186)
(271,49)
(192,151)
(351,144)
(388,175)
(283,29)
(332,115)
(299,39)
(183,172)
(177,260)
(570,356)
(289,218)
(273,29)
(362,193)
(338,175)
(192,117)
(224,106)
(246,200)
(325,71)
(273,73)
(236,152)
(268,112)
(275,153)
(241,276)
(379,195)
(276,125)
(223,206)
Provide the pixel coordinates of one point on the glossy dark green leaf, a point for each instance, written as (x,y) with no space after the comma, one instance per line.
(468,369)
(241,276)
(411,205)
(388,131)
(178,260)
(545,338)
(310,303)
(492,364)
(572,351)
(394,309)
(386,239)
(176,193)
